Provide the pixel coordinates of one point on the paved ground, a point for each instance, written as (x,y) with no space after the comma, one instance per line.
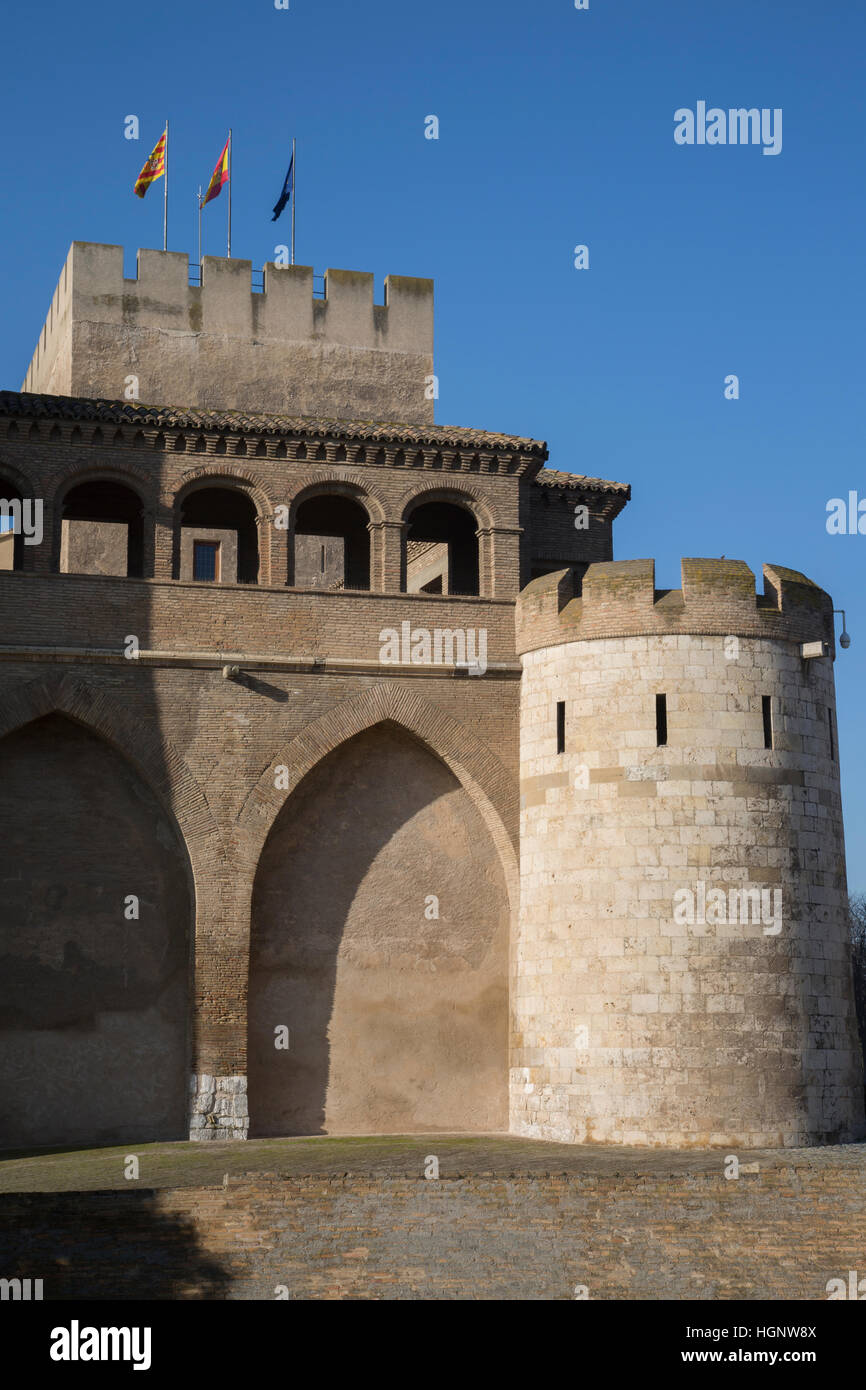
(204,1164)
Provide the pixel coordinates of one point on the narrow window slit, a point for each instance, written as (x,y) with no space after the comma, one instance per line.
(767,709)
(560,726)
(832,734)
(661,720)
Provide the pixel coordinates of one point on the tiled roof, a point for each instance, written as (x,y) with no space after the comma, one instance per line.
(553,477)
(134,413)
(30,405)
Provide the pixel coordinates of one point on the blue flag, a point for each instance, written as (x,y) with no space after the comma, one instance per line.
(287,190)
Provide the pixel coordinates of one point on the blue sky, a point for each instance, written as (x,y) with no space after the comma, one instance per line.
(556,129)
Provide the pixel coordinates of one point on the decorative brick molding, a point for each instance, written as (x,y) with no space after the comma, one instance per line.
(202,431)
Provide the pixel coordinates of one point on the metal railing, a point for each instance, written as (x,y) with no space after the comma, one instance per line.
(257,281)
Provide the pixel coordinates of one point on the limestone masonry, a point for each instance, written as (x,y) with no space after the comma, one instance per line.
(350,786)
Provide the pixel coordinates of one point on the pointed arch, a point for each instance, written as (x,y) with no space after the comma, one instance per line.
(97,1014)
(158,763)
(493,791)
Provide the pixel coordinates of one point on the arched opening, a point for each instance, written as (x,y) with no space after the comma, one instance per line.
(102,530)
(11,527)
(219,540)
(442,550)
(95,932)
(379,943)
(332,544)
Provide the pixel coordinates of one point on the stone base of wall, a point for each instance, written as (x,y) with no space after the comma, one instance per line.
(218,1107)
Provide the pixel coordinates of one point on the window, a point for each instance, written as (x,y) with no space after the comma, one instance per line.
(224,517)
(832,734)
(332,544)
(441,542)
(205,560)
(560,726)
(102,530)
(767,707)
(661,720)
(11,528)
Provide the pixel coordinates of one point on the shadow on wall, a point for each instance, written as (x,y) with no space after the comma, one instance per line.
(94,1000)
(379,941)
(106,1245)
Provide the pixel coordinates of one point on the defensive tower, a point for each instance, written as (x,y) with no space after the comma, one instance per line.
(220,345)
(682,968)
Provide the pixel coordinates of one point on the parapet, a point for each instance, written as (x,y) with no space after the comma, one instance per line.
(618,598)
(222,345)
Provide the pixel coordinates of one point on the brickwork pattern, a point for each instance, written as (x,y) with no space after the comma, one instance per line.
(777,1235)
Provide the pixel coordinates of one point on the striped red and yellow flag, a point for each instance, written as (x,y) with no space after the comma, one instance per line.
(153,169)
(219,176)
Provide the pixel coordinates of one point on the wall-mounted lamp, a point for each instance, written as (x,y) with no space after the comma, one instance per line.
(844,639)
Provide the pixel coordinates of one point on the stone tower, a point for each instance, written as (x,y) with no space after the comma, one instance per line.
(681,972)
(220,345)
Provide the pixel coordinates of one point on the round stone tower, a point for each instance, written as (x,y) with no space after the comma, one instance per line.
(682,972)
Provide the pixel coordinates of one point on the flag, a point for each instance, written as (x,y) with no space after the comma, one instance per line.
(154,168)
(287,190)
(219,177)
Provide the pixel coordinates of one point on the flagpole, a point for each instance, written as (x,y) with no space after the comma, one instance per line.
(230,194)
(199,232)
(165,194)
(294,187)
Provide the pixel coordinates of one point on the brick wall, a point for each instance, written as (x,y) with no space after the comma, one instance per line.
(782,1234)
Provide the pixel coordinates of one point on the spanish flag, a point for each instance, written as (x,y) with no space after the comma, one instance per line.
(154,168)
(220,175)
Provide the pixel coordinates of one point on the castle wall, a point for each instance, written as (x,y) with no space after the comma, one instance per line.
(638,1019)
(629,1024)
(554,540)
(95,950)
(223,758)
(380,930)
(361,1222)
(278,465)
(219,345)
(226,757)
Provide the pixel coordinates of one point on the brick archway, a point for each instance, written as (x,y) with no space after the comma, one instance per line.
(478,770)
(165,831)
(159,764)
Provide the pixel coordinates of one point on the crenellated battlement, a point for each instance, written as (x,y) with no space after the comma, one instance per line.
(221,345)
(619,599)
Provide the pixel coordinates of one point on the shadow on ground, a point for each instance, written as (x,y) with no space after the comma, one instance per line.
(108,1246)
